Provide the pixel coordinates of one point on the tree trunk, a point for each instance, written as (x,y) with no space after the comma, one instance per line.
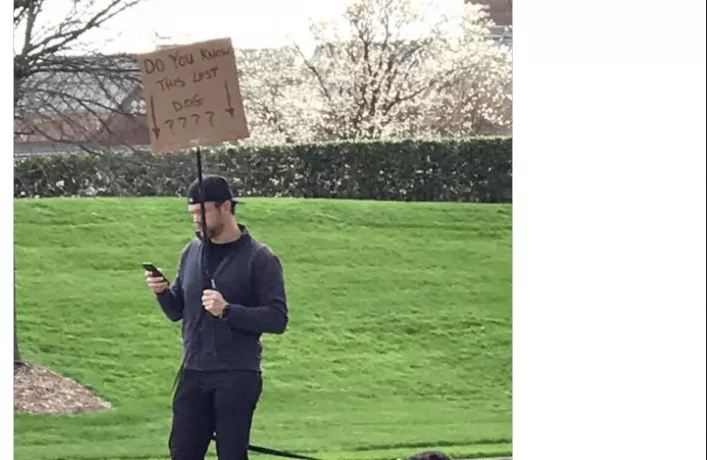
(18,358)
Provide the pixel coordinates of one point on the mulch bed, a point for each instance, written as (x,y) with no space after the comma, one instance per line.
(39,390)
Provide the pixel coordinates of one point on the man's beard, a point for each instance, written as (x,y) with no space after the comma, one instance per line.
(212,232)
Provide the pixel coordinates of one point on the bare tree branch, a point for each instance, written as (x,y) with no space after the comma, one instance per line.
(59,40)
(71,99)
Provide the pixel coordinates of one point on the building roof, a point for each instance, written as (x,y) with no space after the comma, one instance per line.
(501,11)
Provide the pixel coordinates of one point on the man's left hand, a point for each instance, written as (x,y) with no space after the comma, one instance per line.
(213,302)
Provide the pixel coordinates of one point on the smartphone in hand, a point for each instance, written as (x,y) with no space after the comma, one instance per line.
(154,271)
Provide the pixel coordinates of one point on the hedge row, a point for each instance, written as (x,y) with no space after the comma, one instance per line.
(476,170)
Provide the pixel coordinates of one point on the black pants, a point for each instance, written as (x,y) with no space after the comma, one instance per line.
(208,401)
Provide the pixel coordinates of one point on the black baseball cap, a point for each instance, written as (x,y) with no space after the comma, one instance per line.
(216,189)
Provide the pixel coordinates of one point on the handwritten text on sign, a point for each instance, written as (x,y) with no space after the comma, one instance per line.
(192,95)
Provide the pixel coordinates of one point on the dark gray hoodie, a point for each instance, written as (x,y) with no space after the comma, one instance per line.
(249,276)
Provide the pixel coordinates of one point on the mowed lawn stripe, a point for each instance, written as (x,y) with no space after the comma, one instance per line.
(399,336)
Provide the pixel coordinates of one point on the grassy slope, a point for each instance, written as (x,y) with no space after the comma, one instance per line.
(399,339)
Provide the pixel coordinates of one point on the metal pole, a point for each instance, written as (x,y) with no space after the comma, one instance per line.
(206,283)
(204,230)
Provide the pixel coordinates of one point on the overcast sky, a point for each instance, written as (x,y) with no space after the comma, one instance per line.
(250,24)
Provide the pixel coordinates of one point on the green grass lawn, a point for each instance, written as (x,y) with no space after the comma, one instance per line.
(399,337)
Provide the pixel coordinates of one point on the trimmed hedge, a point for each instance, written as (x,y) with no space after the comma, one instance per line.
(477,170)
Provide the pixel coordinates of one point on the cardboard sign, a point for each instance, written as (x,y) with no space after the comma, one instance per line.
(192,95)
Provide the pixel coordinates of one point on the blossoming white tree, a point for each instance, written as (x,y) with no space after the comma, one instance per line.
(389,69)
(474,91)
(276,95)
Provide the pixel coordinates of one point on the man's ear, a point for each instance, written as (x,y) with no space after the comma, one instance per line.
(223,204)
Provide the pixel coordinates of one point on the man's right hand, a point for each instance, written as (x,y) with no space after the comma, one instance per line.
(157,283)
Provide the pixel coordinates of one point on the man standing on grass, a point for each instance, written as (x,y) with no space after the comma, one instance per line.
(227,293)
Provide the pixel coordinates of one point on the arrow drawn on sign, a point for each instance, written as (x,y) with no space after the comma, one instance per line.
(155,130)
(228,97)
